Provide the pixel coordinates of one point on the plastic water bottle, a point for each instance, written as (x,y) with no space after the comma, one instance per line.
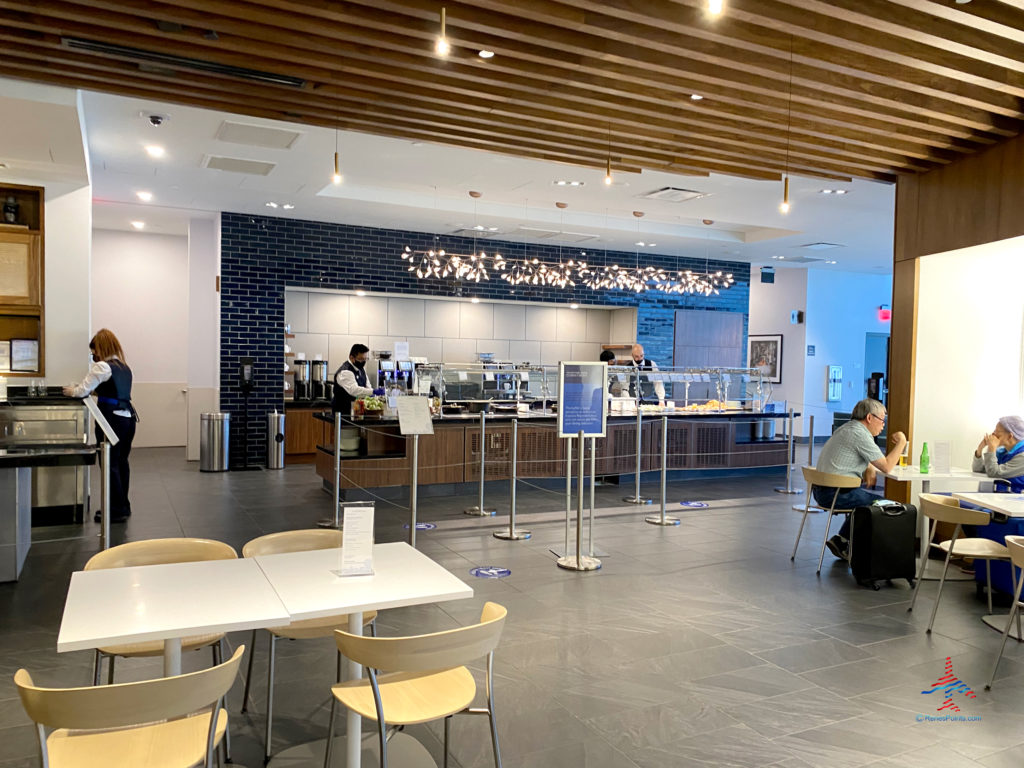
(925,460)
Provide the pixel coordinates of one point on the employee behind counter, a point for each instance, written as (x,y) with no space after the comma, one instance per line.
(350,381)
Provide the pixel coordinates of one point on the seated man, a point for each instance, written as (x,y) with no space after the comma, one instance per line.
(852,451)
(1000,455)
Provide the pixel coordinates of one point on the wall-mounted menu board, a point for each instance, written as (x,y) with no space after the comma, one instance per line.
(25,355)
(21,280)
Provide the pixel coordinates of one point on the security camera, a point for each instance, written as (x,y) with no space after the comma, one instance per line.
(155,120)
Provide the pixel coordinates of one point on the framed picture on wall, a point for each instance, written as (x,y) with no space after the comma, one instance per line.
(765,354)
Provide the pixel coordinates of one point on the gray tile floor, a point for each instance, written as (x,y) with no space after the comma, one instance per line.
(695,645)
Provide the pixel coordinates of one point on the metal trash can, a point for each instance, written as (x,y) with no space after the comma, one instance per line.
(214,441)
(275,440)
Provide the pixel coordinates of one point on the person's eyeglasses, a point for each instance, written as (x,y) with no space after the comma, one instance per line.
(880,418)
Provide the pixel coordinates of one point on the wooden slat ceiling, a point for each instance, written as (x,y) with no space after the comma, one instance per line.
(839,89)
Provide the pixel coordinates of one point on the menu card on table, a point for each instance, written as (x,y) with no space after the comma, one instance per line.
(357,543)
(940,458)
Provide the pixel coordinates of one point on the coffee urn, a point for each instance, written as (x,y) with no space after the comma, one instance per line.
(302,384)
(319,388)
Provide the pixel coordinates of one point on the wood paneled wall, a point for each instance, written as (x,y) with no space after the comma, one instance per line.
(975,200)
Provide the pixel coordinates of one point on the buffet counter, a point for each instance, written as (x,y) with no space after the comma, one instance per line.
(696,440)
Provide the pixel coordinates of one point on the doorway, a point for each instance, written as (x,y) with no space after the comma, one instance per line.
(876,361)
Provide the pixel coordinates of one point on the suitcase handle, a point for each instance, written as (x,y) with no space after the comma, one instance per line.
(892,511)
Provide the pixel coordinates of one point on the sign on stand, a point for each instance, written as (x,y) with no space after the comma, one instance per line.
(357,544)
(582,399)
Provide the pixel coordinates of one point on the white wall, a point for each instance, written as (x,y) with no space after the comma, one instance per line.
(969,358)
(203,326)
(140,292)
(770,305)
(328,324)
(842,308)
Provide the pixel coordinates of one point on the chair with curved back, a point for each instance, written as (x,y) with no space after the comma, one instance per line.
(825,480)
(420,678)
(162,723)
(158,552)
(1015,548)
(278,543)
(946,509)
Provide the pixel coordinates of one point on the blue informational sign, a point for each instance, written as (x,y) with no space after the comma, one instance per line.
(490,572)
(694,504)
(422,526)
(582,399)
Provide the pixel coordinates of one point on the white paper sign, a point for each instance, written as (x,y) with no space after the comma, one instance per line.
(940,458)
(463,376)
(414,416)
(101,421)
(401,350)
(357,543)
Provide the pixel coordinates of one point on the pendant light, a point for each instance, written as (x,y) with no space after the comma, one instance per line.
(337,177)
(784,206)
(608,167)
(441,46)
(715,7)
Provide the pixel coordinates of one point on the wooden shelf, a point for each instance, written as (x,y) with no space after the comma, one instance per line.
(21,245)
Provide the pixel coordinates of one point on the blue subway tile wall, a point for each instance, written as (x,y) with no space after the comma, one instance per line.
(260,255)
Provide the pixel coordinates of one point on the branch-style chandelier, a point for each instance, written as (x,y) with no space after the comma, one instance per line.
(438,264)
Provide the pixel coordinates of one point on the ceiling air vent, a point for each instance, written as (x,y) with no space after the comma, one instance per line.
(554,234)
(238,165)
(675,194)
(800,260)
(820,246)
(179,62)
(256,135)
(470,232)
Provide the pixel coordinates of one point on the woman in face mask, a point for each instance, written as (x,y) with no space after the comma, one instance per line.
(1001,454)
(110,379)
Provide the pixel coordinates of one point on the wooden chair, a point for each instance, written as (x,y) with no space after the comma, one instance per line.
(294,541)
(157,552)
(418,679)
(1015,547)
(825,480)
(162,723)
(946,509)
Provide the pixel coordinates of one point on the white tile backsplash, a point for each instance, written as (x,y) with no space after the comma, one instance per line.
(524,351)
(425,346)
(296,310)
(405,317)
(498,346)
(586,350)
(339,346)
(367,314)
(540,323)
(309,345)
(458,350)
(570,325)
(442,319)
(476,321)
(554,352)
(509,321)
(599,326)
(328,313)
(386,343)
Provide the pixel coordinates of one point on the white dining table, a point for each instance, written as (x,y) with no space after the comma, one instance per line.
(116,606)
(910,474)
(309,586)
(1011,505)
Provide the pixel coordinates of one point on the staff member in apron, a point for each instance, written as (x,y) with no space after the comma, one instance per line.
(641,363)
(110,379)
(350,382)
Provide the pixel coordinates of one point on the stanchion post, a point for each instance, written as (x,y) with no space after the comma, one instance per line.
(105,496)
(579,561)
(593,479)
(663,519)
(636,498)
(414,490)
(810,441)
(789,460)
(480,510)
(335,521)
(568,492)
(512,534)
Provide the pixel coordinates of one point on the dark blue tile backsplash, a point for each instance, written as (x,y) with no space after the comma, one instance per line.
(260,255)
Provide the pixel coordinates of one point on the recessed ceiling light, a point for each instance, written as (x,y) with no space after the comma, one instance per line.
(568,183)
(492,229)
(833,191)
(696,96)
(271,204)
(287,206)
(641,243)
(486,54)
(360,293)
(833,261)
(154,150)
(475,300)
(574,306)
(144,196)
(139,224)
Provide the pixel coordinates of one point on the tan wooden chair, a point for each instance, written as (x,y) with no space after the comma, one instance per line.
(1015,547)
(162,723)
(946,509)
(825,480)
(294,541)
(421,678)
(158,552)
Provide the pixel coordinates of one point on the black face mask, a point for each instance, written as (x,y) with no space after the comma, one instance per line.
(360,364)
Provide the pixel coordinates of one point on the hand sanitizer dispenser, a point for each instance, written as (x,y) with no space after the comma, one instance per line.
(834,387)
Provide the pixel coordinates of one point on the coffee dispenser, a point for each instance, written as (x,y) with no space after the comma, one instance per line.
(318,390)
(303,390)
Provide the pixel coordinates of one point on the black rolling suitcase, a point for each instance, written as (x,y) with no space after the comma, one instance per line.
(883,543)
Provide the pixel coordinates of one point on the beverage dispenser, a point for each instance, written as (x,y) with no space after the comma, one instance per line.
(303,389)
(318,390)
